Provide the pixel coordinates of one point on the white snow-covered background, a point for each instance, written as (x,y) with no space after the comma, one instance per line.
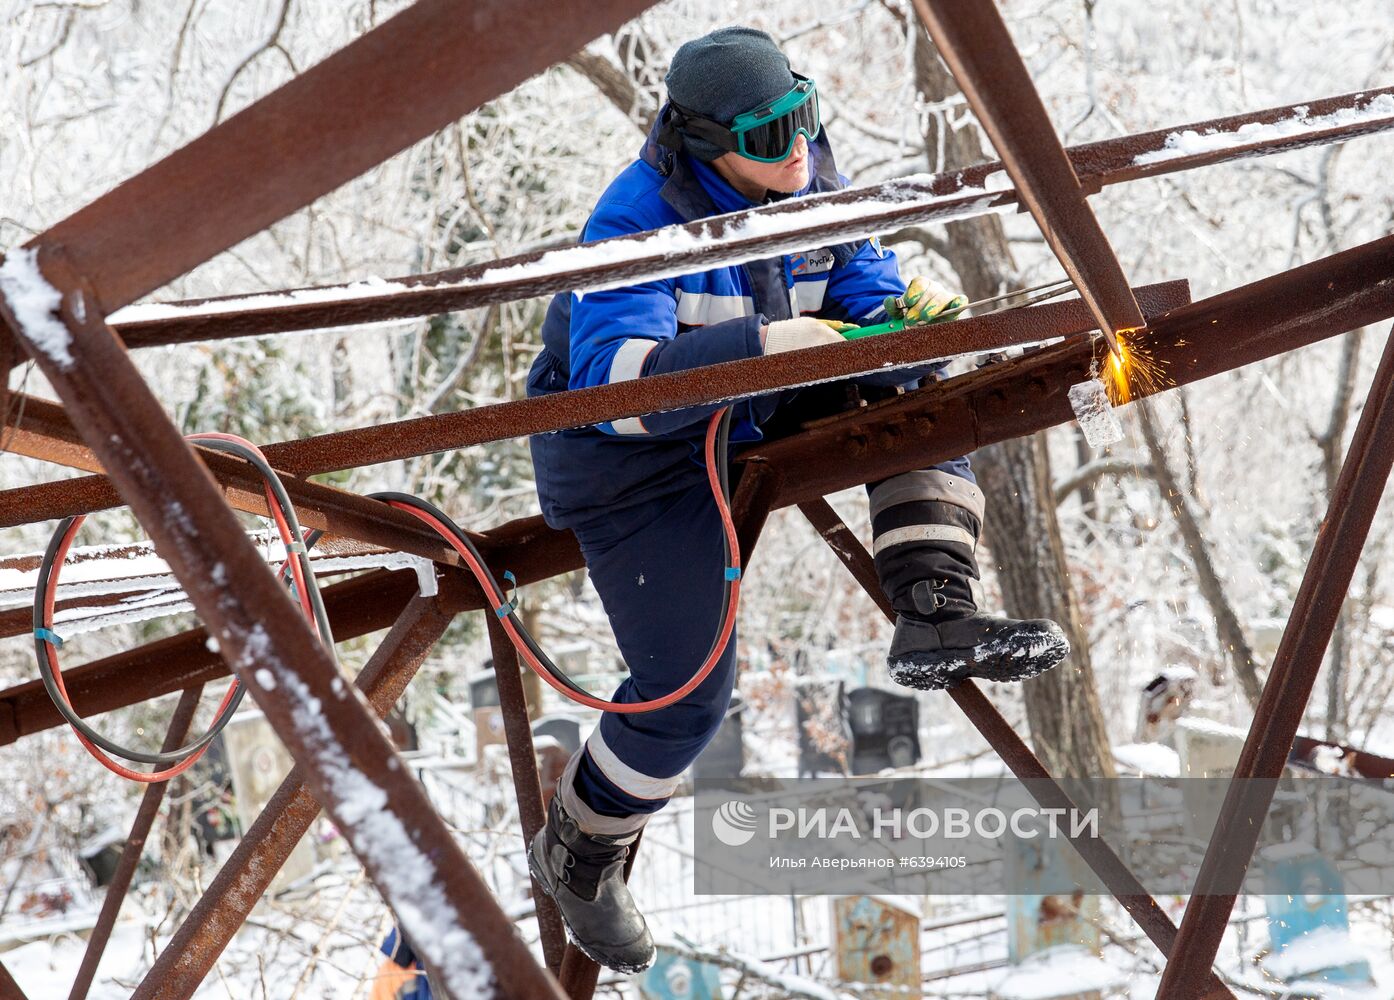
(95,91)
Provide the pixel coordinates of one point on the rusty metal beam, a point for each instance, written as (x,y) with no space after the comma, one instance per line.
(244,877)
(527,785)
(1129,892)
(297,143)
(43,431)
(1362,763)
(500,421)
(356,607)
(146,812)
(9,989)
(1271,316)
(1335,556)
(974,42)
(1235,328)
(884,208)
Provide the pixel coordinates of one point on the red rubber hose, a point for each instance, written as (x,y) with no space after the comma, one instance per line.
(728,624)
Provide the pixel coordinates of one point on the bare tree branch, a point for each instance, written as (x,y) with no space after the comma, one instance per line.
(1229,630)
(617,86)
(272,41)
(1092,472)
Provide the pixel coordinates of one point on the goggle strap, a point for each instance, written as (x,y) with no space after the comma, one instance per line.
(695,125)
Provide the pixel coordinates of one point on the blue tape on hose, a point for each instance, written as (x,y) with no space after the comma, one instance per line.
(296,547)
(49,636)
(733,572)
(508,607)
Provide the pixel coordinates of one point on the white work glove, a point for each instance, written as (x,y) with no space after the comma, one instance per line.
(805,331)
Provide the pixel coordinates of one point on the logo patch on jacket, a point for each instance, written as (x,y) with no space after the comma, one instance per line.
(811,262)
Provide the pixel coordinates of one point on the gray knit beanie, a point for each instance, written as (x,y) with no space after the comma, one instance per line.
(724,74)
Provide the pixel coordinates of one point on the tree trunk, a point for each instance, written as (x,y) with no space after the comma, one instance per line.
(1021,529)
(1233,641)
(1332,444)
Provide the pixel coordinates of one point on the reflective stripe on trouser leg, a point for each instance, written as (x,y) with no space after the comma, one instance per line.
(925,526)
(658,568)
(930,484)
(587,818)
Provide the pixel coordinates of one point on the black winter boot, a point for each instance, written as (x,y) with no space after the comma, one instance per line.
(584,874)
(925,526)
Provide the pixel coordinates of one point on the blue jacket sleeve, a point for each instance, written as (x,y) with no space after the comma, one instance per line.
(625,333)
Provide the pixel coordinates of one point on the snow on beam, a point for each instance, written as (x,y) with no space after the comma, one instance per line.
(854,213)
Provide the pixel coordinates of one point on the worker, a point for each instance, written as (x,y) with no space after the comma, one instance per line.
(738,129)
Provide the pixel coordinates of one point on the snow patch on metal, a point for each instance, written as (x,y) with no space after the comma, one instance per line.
(1191,142)
(34,304)
(670,251)
(367,288)
(407,877)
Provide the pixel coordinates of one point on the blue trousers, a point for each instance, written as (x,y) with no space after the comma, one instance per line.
(659,570)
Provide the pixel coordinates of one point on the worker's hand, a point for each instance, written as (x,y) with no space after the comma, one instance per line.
(925,301)
(795,334)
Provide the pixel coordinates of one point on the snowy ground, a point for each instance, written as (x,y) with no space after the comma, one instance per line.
(318,938)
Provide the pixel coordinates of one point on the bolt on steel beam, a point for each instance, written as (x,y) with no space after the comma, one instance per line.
(580,407)
(325,724)
(975,43)
(1335,556)
(1277,314)
(883,208)
(298,143)
(146,812)
(244,877)
(527,785)
(1121,882)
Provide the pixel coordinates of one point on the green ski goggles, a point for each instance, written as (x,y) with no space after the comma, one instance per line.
(766,134)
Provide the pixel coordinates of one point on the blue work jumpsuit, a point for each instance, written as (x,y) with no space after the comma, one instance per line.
(635,492)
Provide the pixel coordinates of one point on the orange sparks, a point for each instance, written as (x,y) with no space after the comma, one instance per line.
(1131,367)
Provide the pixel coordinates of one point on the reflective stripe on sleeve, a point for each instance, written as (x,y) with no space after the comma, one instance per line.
(628,363)
(704,308)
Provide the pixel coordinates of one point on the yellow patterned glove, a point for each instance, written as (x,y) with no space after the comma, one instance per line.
(925,301)
(837,326)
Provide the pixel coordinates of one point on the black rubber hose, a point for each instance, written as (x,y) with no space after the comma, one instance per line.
(722,451)
(174,756)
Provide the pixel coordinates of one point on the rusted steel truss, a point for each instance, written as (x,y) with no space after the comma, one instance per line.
(46,433)
(130,853)
(881,208)
(1288,687)
(974,41)
(300,146)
